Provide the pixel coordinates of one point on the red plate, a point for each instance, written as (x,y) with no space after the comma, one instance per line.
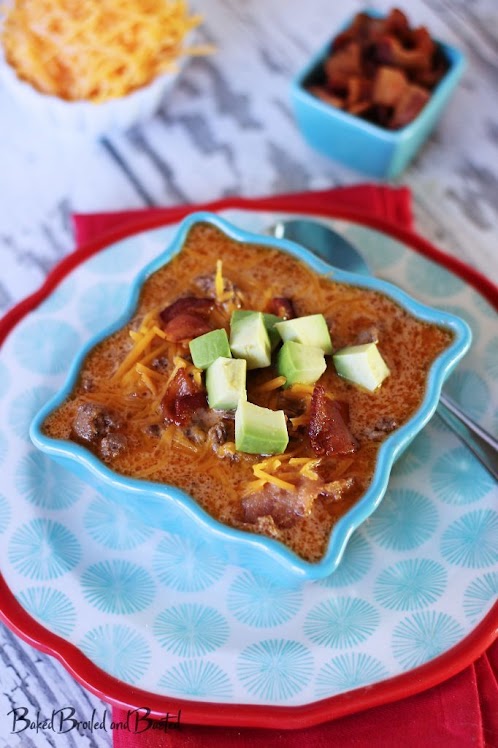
(120,694)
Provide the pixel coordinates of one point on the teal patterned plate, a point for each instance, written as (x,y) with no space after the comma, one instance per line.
(163,614)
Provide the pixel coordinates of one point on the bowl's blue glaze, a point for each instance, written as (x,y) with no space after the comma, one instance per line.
(362,145)
(171,509)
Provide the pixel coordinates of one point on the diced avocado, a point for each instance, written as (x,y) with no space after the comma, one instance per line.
(260,431)
(268,319)
(249,339)
(362,365)
(226,383)
(299,363)
(208,347)
(310,330)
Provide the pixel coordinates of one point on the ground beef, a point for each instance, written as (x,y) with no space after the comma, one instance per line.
(153,429)
(160,364)
(369,335)
(218,434)
(112,445)
(93,422)
(380,429)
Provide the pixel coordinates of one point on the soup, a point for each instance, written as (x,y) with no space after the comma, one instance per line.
(140,403)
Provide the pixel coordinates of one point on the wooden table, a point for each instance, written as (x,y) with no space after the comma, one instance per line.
(227,129)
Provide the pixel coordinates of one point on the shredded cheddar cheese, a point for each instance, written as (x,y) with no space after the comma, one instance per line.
(301,389)
(95,49)
(134,355)
(160,333)
(301,420)
(269,478)
(308,471)
(272,384)
(265,472)
(293,468)
(219,283)
(147,321)
(254,485)
(179,363)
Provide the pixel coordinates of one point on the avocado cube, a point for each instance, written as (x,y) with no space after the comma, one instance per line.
(362,365)
(208,347)
(268,319)
(298,363)
(310,330)
(226,383)
(260,431)
(249,339)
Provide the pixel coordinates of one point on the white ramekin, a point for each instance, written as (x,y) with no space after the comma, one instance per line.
(85,117)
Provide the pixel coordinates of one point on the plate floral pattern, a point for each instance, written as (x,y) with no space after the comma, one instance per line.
(162,612)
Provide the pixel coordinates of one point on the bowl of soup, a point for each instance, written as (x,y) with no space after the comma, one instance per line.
(253,396)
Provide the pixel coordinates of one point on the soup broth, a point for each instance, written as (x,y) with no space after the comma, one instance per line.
(121,407)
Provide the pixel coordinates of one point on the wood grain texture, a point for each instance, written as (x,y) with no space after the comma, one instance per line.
(227,129)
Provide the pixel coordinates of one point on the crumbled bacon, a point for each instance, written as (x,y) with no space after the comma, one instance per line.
(376,64)
(186,327)
(281,307)
(182,399)
(410,104)
(327,96)
(284,507)
(186,407)
(391,51)
(344,63)
(328,428)
(187,305)
(389,85)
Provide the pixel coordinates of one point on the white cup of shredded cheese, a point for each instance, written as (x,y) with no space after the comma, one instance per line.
(87,116)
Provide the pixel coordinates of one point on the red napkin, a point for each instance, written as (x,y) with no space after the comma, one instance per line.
(363,201)
(462,711)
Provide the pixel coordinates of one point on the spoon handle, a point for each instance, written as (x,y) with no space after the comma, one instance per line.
(479,441)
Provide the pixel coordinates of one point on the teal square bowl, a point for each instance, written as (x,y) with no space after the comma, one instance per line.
(170,509)
(362,145)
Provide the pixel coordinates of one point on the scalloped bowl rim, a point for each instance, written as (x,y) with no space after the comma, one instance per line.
(296,567)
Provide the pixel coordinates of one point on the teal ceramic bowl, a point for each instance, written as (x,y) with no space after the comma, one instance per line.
(361,145)
(171,509)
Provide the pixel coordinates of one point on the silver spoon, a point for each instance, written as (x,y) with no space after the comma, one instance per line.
(332,247)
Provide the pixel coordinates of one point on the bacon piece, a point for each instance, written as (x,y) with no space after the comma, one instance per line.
(186,407)
(182,398)
(186,327)
(396,23)
(327,96)
(372,63)
(359,90)
(187,305)
(281,307)
(411,103)
(284,507)
(389,86)
(345,62)
(390,51)
(359,29)
(328,429)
